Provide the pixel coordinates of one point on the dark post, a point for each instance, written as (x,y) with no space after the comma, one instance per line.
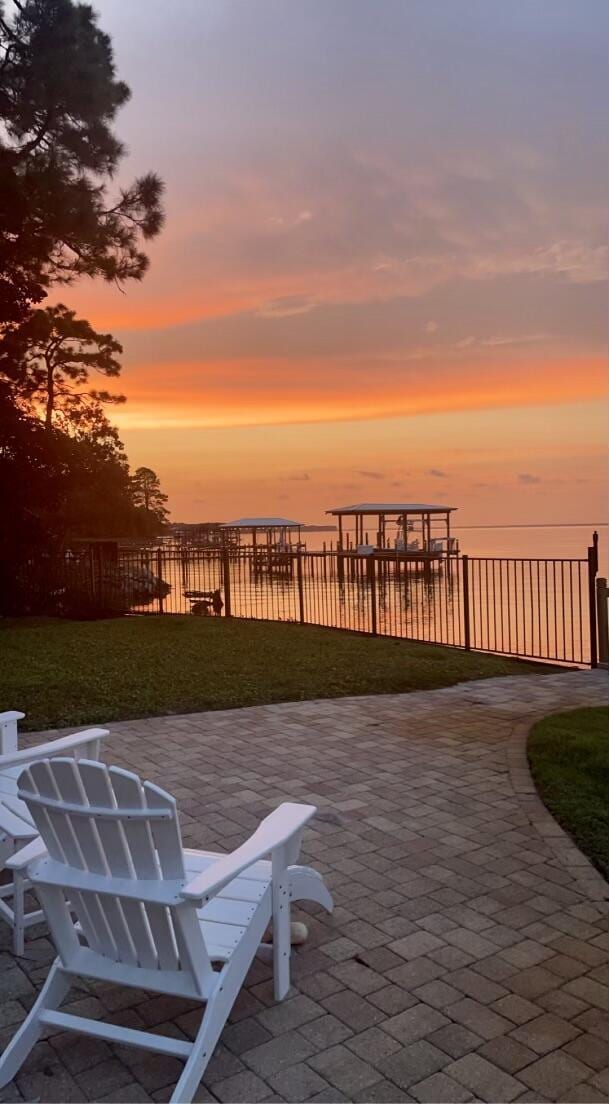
(592,569)
(466,628)
(226,580)
(92,572)
(595,547)
(602,621)
(340,562)
(372,582)
(301,609)
(159,574)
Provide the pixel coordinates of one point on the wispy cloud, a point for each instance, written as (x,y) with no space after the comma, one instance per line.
(287,221)
(514,339)
(437,474)
(370,474)
(286,306)
(527,479)
(496,341)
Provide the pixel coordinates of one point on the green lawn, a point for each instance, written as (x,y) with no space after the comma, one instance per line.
(79,672)
(568,758)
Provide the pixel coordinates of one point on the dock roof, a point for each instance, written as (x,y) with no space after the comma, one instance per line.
(262,523)
(392,508)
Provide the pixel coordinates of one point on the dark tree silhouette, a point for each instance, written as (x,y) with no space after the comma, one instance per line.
(77,486)
(63,470)
(49,359)
(148,495)
(58,99)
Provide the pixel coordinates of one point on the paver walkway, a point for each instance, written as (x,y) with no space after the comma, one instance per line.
(465,958)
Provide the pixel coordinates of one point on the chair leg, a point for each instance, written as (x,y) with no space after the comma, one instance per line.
(212,1025)
(282,946)
(51,995)
(228,986)
(18,913)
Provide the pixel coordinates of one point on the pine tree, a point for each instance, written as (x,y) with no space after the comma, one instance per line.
(148,495)
(58,99)
(48,360)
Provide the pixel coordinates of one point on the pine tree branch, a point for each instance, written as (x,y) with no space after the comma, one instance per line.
(34,142)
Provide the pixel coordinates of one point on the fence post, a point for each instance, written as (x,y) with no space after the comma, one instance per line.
(226,582)
(92,573)
(602,621)
(159,575)
(301,609)
(372,582)
(592,569)
(466,627)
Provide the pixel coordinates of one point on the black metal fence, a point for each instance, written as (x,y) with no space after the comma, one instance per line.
(534,608)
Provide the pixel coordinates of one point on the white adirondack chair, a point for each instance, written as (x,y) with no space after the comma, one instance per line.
(149,913)
(16,825)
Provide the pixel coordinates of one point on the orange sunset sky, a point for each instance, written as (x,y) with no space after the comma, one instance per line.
(382,275)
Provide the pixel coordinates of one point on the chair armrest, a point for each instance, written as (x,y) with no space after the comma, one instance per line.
(34,850)
(273,832)
(63,746)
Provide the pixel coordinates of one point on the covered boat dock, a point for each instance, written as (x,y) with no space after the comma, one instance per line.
(408,527)
(267,532)
(403,531)
(271,542)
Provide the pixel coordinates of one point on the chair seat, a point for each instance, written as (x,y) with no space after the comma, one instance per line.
(11,772)
(15,820)
(225,920)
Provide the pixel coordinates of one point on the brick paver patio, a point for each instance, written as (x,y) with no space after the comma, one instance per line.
(465,959)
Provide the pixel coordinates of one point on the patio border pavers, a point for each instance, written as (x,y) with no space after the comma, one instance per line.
(591,883)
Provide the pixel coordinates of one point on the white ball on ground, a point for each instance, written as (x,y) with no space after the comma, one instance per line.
(298,933)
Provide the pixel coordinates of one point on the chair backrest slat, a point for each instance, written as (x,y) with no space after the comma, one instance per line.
(82,830)
(45,783)
(137,940)
(129,792)
(39,779)
(72,792)
(168,843)
(41,818)
(105,913)
(166,833)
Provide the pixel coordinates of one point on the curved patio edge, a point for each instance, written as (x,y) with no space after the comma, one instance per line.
(589,880)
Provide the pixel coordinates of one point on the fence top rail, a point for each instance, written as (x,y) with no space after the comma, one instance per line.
(320,553)
(529,559)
